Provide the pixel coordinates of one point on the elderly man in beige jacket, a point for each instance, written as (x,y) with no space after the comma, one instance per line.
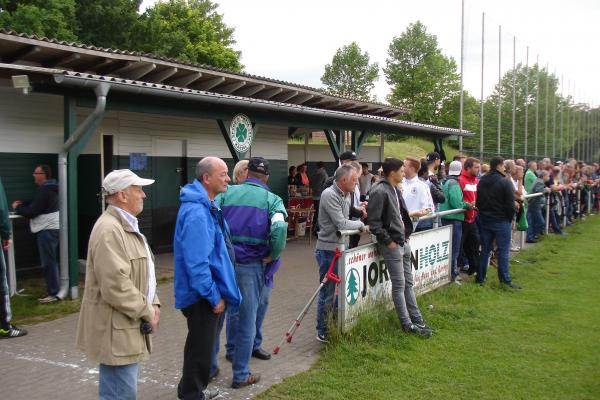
(120,308)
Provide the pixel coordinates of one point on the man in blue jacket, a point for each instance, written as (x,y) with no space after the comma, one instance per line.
(204,275)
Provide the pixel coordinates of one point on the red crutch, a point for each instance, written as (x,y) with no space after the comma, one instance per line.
(329,276)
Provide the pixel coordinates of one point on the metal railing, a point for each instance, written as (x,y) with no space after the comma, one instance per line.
(429,216)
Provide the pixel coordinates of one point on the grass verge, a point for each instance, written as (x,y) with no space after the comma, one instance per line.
(542,342)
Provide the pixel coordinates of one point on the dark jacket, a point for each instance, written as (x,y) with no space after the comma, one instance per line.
(495,198)
(5,227)
(45,201)
(386,221)
(437,193)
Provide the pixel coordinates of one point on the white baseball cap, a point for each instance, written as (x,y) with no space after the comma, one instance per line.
(455,168)
(121,179)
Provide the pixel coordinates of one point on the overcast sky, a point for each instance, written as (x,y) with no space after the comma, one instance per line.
(293,40)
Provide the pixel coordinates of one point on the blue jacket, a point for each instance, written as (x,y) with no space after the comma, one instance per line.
(203,267)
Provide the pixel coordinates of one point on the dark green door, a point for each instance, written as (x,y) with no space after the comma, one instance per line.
(170,174)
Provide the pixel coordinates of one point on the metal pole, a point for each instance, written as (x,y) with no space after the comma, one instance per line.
(537,103)
(514,96)
(499,86)
(526,103)
(462,64)
(547,213)
(481,96)
(553,117)
(567,152)
(546,114)
(562,86)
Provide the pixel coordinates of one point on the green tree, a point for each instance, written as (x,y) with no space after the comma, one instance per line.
(352,290)
(350,74)
(49,18)
(189,30)
(97,20)
(423,79)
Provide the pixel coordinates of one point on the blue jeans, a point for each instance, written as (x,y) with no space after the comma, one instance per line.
(535,221)
(325,302)
(231,329)
(251,281)
(501,231)
(118,382)
(456,241)
(554,221)
(47,241)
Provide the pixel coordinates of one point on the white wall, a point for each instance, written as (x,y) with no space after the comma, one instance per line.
(34,124)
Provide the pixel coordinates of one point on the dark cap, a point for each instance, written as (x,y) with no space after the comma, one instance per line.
(431,157)
(258,164)
(348,155)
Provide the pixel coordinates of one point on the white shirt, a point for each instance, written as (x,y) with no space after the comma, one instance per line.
(133,222)
(416,194)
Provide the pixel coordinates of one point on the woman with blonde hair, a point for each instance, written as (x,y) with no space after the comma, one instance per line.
(240,171)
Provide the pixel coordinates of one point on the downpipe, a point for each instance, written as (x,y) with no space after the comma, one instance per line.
(101,90)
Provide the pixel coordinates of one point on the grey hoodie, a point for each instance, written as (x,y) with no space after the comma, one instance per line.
(387,214)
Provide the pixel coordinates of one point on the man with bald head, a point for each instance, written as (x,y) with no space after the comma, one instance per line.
(205,282)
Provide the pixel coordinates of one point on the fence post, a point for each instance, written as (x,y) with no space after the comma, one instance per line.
(589,197)
(578,203)
(547,213)
(565,208)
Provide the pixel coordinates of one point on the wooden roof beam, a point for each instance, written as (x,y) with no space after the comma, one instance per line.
(138,73)
(232,87)
(268,94)
(210,83)
(109,68)
(63,61)
(161,76)
(302,99)
(21,54)
(185,80)
(283,97)
(250,91)
(96,64)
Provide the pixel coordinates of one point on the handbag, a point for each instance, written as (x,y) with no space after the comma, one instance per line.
(522,218)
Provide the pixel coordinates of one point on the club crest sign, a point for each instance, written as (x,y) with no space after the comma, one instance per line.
(241,133)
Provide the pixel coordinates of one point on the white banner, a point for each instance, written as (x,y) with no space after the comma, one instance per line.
(365,278)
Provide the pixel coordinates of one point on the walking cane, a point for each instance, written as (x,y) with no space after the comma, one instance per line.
(329,276)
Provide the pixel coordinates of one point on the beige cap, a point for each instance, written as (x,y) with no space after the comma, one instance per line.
(121,179)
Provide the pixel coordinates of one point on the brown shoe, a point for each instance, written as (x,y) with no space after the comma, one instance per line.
(251,380)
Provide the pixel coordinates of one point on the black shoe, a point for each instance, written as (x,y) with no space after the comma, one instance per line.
(213,376)
(513,286)
(322,338)
(531,241)
(261,354)
(412,328)
(12,332)
(229,357)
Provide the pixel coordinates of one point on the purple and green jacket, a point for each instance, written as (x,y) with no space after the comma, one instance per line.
(256,218)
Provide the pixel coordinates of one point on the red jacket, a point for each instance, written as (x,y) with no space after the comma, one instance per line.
(468,184)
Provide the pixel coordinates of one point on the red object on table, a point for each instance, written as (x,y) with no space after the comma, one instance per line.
(300,202)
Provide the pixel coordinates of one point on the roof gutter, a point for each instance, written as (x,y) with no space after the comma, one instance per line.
(101,90)
(372,122)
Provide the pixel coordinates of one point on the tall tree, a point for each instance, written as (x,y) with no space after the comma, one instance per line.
(422,78)
(97,20)
(350,74)
(50,18)
(189,30)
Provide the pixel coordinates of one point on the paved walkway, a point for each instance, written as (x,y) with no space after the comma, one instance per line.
(45,364)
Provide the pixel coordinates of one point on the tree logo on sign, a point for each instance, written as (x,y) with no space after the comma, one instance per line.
(352,285)
(241,133)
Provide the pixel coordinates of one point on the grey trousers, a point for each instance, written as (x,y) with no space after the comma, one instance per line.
(398,264)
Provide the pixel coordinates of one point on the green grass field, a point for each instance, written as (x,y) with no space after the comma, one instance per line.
(542,342)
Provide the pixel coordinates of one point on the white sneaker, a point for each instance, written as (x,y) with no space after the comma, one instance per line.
(48,299)
(210,393)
